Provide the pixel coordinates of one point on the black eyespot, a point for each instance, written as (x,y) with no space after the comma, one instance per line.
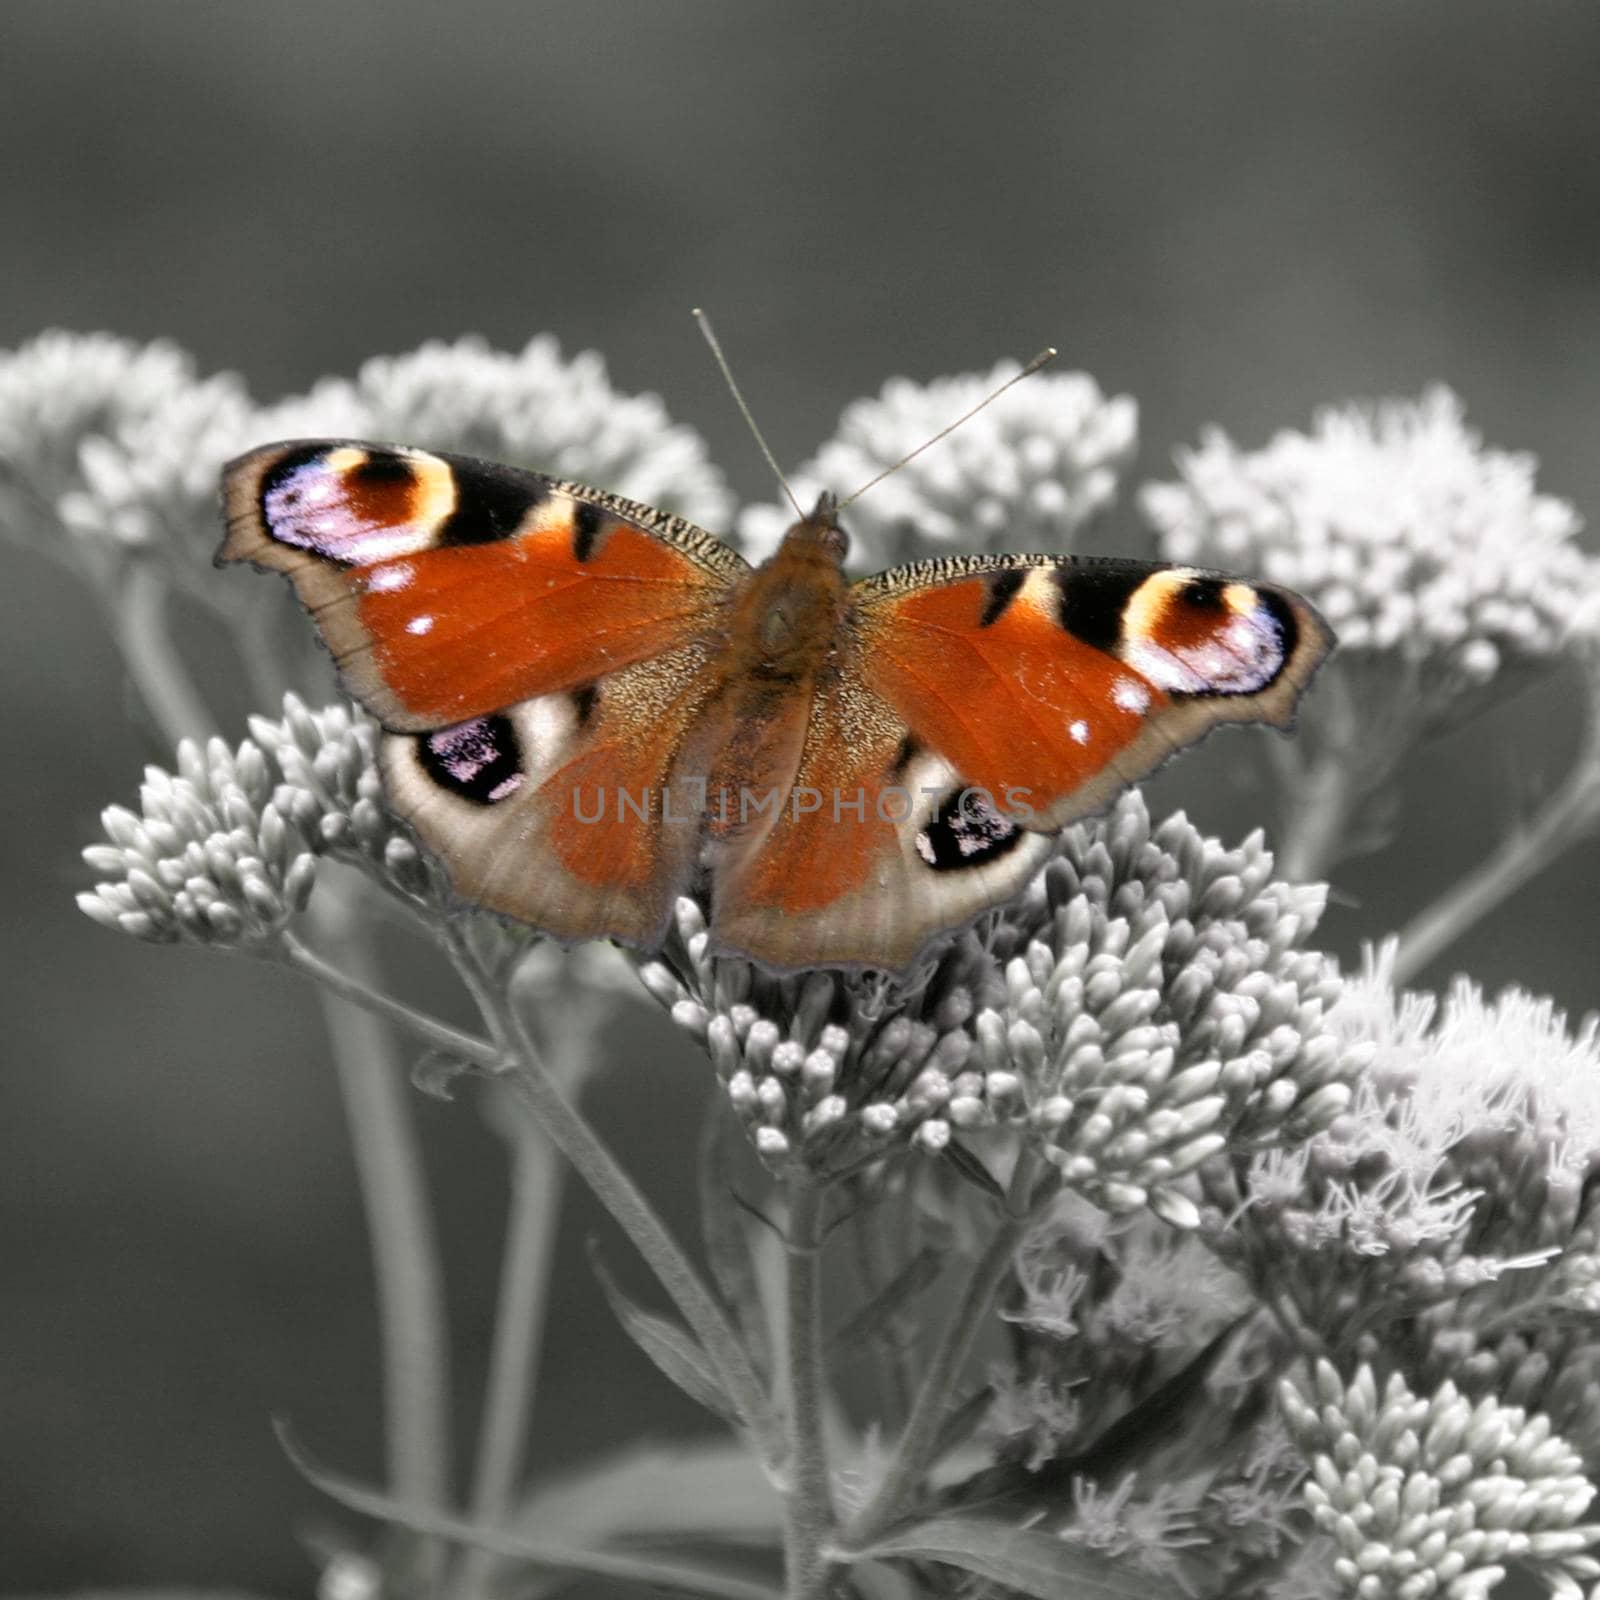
(966,832)
(479,760)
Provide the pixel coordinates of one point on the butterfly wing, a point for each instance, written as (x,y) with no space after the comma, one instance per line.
(1059,680)
(854,863)
(995,699)
(535,649)
(565,811)
(448,588)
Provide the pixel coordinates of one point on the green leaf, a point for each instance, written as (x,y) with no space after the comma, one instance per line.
(665,1570)
(726,1234)
(1028,1560)
(672,1348)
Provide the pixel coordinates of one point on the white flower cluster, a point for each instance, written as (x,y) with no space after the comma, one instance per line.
(534,408)
(1144,1005)
(1409,536)
(208,857)
(1464,1153)
(1430,1495)
(225,851)
(122,445)
(63,399)
(1158,1008)
(817,1063)
(1024,474)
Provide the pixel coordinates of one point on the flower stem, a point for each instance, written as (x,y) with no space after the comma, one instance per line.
(1567,816)
(360,993)
(1318,818)
(531,1081)
(914,1453)
(144,637)
(394,1196)
(808,1503)
(404,1249)
(536,1185)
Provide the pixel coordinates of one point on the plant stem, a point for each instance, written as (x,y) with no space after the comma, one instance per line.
(405,1251)
(915,1451)
(530,1080)
(518,1332)
(1566,817)
(144,636)
(358,992)
(1323,798)
(394,1196)
(808,1501)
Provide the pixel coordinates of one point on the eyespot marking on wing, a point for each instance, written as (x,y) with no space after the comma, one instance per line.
(966,831)
(355,506)
(479,760)
(1193,634)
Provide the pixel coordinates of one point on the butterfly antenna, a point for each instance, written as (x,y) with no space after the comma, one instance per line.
(727,373)
(1044,358)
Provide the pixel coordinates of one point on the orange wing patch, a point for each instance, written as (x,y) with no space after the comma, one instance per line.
(1052,683)
(447,588)
(1015,704)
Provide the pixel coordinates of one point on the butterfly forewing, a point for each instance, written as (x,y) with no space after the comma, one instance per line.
(448,588)
(1051,682)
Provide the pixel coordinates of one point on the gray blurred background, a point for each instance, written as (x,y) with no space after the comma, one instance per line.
(1234,212)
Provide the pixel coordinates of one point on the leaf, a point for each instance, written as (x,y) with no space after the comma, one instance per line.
(973,1170)
(1028,1560)
(727,1239)
(635,1565)
(710,1490)
(1164,1414)
(917,1274)
(672,1348)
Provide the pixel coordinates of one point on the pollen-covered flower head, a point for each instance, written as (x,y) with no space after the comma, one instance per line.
(1159,1007)
(1428,1494)
(1414,540)
(1024,474)
(534,408)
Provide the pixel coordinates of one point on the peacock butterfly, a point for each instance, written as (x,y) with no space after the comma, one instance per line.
(592,707)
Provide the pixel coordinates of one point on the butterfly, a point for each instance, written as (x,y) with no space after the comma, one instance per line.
(591,707)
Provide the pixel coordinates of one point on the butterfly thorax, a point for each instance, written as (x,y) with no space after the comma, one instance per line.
(786,615)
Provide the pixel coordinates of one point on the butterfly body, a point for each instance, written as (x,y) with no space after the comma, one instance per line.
(592,707)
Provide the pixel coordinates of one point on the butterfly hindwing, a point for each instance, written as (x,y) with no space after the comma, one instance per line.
(563,810)
(449,588)
(871,850)
(1059,680)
